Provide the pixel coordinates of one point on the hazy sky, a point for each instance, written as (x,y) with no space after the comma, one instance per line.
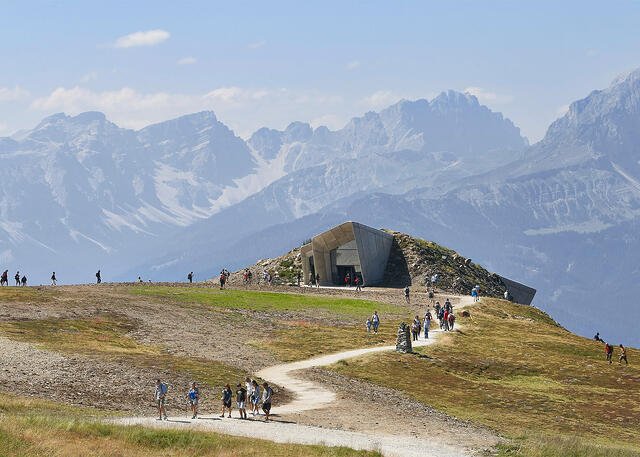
(272,62)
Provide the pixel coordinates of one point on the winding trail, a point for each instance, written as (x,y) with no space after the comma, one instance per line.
(309,395)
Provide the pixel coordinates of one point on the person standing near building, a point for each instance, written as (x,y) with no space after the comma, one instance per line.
(317,279)
(356,281)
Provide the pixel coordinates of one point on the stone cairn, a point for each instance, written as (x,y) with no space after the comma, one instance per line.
(403,341)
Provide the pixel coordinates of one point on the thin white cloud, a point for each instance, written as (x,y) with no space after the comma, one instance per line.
(353,65)
(256,44)
(332,121)
(187,61)
(485,96)
(142,38)
(8,94)
(243,109)
(381,99)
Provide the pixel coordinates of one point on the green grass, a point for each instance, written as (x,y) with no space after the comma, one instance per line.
(514,370)
(27,294)
(265,301)
(546,446)
(32,428)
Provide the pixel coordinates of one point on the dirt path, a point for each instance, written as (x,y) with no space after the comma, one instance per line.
(309,395)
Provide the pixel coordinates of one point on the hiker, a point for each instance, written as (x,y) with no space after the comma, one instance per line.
(506,295)
(298,277)
(267,393)
(437,308)
(356,281)
(161,394)
(98,277)
(241,398)
(318,280)
(477,288)
(447,305)
(623,355)
(223,279)
(16,277)
(427,324)
(368,325)
(140,279)
(53,279)
(347,280)
(24,280)
(445,320)
(406,295)
(4,279)
(227,396)
(597,337)
(194,397)
(431,295)
(452,319)
(608,349)
(474,294)
(190,277)
(248,385)
(375,321)
(255,399)
(415,328)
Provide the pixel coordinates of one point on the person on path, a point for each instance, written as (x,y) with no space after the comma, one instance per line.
(53,279)
(255,399)
(356,281)
(452,319)
(608,350)
(347,280)
(427,324)
(445,320)
(98,277)
(447,305)
(299,278)
(623,355)
(190,277)
(375,321)
(248,385)
(267,394)
(406,295)
(318,280)
(437,308)
(24,280)
(16,277)
(241,399)
(223,279)
(194,397)
(474,294)
(415,328)
(160,396)
(368,325)
(227,396)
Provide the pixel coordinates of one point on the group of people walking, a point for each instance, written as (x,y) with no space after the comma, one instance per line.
(608,351)
(249,395)
(21,280)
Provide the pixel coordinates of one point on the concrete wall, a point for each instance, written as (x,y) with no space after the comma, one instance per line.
(519,292)
(374,247)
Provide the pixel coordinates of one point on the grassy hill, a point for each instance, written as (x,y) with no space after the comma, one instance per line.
(513,369)
(509,368)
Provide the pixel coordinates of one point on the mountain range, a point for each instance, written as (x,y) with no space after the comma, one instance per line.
(562,215)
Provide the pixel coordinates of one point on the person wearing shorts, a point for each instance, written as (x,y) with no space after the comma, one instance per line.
(241,398)
(194,397)
(255,398)
(267,393)
(160,396)
(227,396)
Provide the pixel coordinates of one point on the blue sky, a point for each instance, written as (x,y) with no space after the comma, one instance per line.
(269,63)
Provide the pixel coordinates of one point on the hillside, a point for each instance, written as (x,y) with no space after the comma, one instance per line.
(508,379)
(412,261)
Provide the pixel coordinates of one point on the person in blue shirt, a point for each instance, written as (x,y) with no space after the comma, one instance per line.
(194,397)
(161,394)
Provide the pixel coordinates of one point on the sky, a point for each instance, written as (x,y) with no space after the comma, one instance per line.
(269,63)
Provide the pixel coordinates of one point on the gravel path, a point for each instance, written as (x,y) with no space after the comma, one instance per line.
(309,395)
